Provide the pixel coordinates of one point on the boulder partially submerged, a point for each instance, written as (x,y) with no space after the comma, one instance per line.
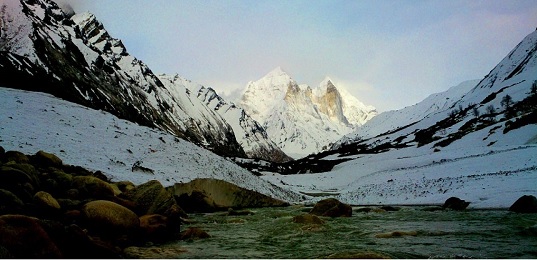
(525,204)
(331,208)
(210,195)
(455,203)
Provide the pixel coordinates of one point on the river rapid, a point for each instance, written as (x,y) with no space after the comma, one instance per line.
(411,232)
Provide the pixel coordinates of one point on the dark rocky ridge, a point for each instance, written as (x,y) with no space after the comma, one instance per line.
(136,95)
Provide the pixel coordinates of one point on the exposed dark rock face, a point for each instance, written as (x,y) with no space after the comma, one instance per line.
(331,208)
(455,203)
(525,204)
(209,195)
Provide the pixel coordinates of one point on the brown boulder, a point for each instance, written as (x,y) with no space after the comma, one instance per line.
(154,227)
(110,218)
(194,233)
(46,201)
(21,179)
(308,219)
(209,195)
(16,173)
(331,208)
(10,203)
(45,159)
(152,198)
(15,156)
(125,186)
(24,237)
(396,234)
(89,186)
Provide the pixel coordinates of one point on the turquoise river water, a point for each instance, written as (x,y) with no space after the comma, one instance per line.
(271,233)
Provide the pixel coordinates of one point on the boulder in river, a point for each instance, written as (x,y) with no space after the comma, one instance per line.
(455,203)
(194,233)
(308,219)
(525,204)
(209,195)
(331,208)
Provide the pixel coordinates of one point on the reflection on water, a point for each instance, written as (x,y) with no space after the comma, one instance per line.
(408,233)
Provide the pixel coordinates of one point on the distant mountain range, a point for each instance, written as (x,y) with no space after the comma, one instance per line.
(73,57)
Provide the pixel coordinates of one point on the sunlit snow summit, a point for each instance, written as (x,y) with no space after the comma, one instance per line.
(302,120)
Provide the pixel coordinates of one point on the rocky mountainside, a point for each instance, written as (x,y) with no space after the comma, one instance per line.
(251,136)
(73,57)
(503,101)
(299,119)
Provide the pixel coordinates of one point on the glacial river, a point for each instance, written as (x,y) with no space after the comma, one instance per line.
(271,233)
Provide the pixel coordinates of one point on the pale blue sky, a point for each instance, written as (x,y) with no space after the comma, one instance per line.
(389,54)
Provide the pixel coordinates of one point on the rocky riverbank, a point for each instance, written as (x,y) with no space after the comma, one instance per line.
(52,210)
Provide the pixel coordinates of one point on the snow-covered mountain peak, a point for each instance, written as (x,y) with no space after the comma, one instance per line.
(277,72)
(300,119)
(325,86)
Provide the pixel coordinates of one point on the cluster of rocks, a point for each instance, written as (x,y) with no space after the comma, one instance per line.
(52,210)
(525,204)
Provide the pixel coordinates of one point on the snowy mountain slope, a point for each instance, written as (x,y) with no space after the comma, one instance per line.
(299,119)
(390,120)
(121,149)
(250,135)
(480,148)
(74,58)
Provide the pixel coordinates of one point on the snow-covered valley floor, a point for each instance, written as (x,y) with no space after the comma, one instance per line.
(488,177)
